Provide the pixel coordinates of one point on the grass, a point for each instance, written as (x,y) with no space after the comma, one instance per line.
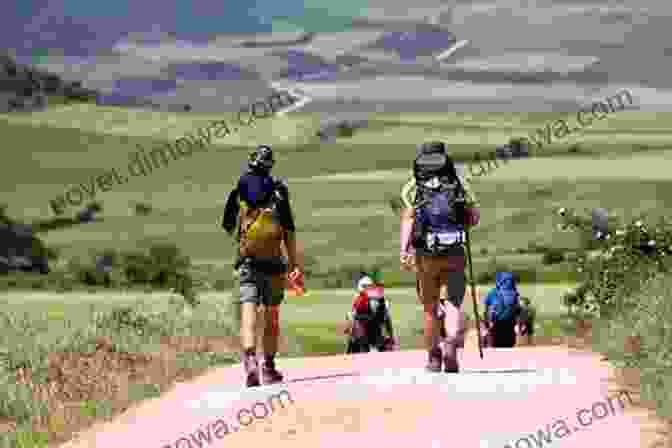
(340,193)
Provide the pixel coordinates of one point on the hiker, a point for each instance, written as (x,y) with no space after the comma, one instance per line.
(502,309)
(370,313)
(259,207)
(526,319)
(438,204)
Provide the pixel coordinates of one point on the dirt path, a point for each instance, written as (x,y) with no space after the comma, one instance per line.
(655,432)
(369,395)
(341,400)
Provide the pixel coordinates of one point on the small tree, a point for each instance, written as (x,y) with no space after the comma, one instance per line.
(553,256)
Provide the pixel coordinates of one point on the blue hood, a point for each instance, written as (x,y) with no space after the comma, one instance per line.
(255,189)
(505,280)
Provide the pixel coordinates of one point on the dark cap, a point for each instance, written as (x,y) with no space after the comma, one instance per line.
(435,147)
(261,158)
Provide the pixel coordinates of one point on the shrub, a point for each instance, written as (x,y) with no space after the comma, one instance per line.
(553,256)
(395,204)
(159,266)
(345,130)
(536,248)
(575,149)
(142,209)
(625,260)
(641,337)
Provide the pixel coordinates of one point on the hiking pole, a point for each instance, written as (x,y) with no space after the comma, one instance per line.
(473,291)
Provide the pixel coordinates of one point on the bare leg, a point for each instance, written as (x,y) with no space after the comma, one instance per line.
(429,290)
(271,329)
(248,324)
(452,325)
(453,286)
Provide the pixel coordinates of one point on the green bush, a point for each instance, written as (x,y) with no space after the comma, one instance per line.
(142,209)
(621,265)
(55,280)
(626,290)
(396,204)
(553,256)
(646,319)
(345,130)
(576,149)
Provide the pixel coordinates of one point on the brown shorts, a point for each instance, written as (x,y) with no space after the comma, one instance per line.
(441,278)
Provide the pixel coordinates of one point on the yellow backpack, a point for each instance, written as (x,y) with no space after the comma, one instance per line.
(259,228)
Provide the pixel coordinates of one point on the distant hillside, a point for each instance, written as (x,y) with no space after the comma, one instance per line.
(24,88)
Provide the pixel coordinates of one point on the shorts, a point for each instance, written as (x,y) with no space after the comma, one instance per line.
(441,274)
(261,285)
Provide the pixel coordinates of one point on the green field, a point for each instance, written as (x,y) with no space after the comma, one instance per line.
(311,321)
(341,194)
(340,190)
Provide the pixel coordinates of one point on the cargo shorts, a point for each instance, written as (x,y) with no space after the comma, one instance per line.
(441,277)
(262,281)
(441,280)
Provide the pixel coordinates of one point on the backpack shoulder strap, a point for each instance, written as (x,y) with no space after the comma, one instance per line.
(231,210)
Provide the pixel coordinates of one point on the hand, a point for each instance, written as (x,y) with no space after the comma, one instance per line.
(407,261)
(395,343)
(473,217)
(295,275)
(391,343)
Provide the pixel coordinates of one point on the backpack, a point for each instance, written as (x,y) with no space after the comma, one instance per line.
(439,201)
(507,306)
(259,223)
(378,306)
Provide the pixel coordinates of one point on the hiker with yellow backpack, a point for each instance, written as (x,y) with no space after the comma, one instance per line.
(259,208)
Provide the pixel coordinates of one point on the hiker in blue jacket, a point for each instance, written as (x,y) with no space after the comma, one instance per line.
(502,308)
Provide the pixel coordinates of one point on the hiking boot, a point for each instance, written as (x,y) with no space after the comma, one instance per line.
(270,374)
(434,360)
(251,370)
(450,365)
(449,355)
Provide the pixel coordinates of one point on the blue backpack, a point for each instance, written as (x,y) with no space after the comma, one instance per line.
(439,201)
(506,298)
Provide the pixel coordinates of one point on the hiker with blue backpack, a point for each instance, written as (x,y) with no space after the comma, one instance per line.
(438,209)
(502,311)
